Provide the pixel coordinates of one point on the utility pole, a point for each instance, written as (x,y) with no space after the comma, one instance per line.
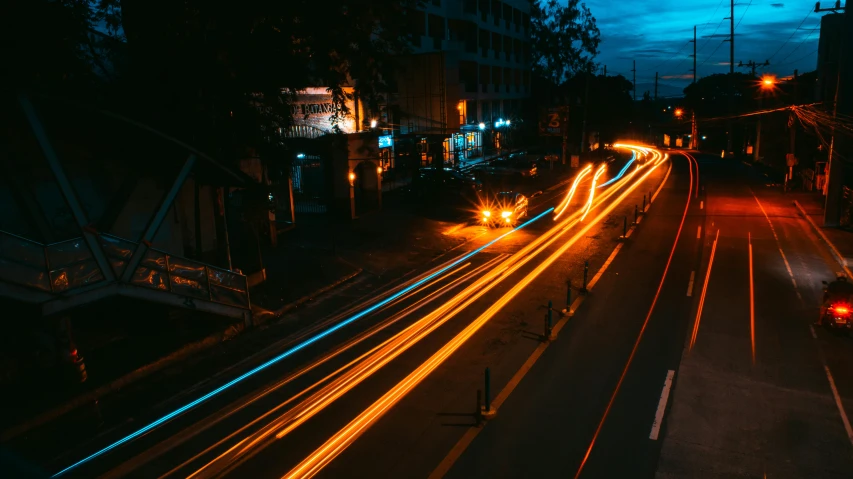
(694,53)
(731,127)
(757,147)
(585,109)
(752,65)
(635,79)
(656,86)
(605,71)
(792,130)
(844,106)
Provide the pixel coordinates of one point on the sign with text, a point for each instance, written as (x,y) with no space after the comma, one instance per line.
(314,108)
(386,141)
(553,121)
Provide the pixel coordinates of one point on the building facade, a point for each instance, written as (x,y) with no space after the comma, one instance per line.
(466,82)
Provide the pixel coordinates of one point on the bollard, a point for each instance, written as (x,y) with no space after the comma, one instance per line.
(478,415)
(488,391)
(550,309)
(585,274)
(635,215)
(625,227)
(568,296)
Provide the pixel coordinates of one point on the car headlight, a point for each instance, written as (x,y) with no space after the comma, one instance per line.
(506,214)
(487,213)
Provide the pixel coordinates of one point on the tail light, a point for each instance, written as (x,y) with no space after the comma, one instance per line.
(840,309)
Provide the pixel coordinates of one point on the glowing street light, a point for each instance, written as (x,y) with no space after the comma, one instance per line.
(768,82)
(482,126)
(373,123)
(679,112)
(506,123)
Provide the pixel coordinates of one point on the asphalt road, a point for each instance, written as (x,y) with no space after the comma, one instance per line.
(724,415)
(637,384)
(192,439)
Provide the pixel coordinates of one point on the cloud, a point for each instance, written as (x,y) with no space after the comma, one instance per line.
(657,34)
(686,76)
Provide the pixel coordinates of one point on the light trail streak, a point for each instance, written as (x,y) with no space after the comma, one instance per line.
(288,352)
(387,351)
(622,172)
(565,204)
(311,465)
(751,300)
(128,466)
(601,170)
(704,292)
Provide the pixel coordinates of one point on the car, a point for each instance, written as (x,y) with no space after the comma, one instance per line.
(505,210)
(430,181)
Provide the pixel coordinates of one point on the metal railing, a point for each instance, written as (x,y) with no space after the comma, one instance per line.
(67,265)
(166,272)
(55,267)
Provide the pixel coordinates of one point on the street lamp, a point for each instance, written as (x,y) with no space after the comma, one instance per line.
(482,126)
(373,123)
(679,112)
(768,82)
(352,194)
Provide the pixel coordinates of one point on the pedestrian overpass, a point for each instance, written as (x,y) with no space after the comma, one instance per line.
(94,205)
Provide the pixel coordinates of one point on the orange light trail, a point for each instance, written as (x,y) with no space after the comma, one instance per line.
(704,291)
(642,330)
(601,170)
(312,464)
(565,204)
(751,299)
(373,360)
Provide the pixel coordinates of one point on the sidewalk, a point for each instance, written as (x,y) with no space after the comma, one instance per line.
(840,241)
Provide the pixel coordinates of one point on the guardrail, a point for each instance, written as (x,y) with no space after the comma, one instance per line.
(67,265)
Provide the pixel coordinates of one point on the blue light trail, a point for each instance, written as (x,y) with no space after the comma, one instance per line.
(290,351)
(624,169)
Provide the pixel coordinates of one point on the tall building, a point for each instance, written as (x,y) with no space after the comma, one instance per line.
(461,91)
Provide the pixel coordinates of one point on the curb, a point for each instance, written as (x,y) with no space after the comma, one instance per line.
(832,249)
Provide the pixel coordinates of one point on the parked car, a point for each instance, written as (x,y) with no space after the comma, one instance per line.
(446,181)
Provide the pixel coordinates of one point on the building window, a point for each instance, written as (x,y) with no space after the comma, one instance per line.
(471,111)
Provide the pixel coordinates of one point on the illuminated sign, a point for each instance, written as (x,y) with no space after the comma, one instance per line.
(313,109)
(386,141)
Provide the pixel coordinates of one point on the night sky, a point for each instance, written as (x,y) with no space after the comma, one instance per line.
(655,34)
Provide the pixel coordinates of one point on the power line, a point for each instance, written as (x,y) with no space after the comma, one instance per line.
(712,54)
(801,43)
(798,59)
(711,36)
(744,14)
(668,59)
(792,34)
(711,17)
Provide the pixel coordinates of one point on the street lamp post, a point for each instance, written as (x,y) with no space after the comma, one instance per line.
(352,194)
(767,83)
(379,184)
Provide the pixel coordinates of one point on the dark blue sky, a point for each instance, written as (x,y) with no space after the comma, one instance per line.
(655,34)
